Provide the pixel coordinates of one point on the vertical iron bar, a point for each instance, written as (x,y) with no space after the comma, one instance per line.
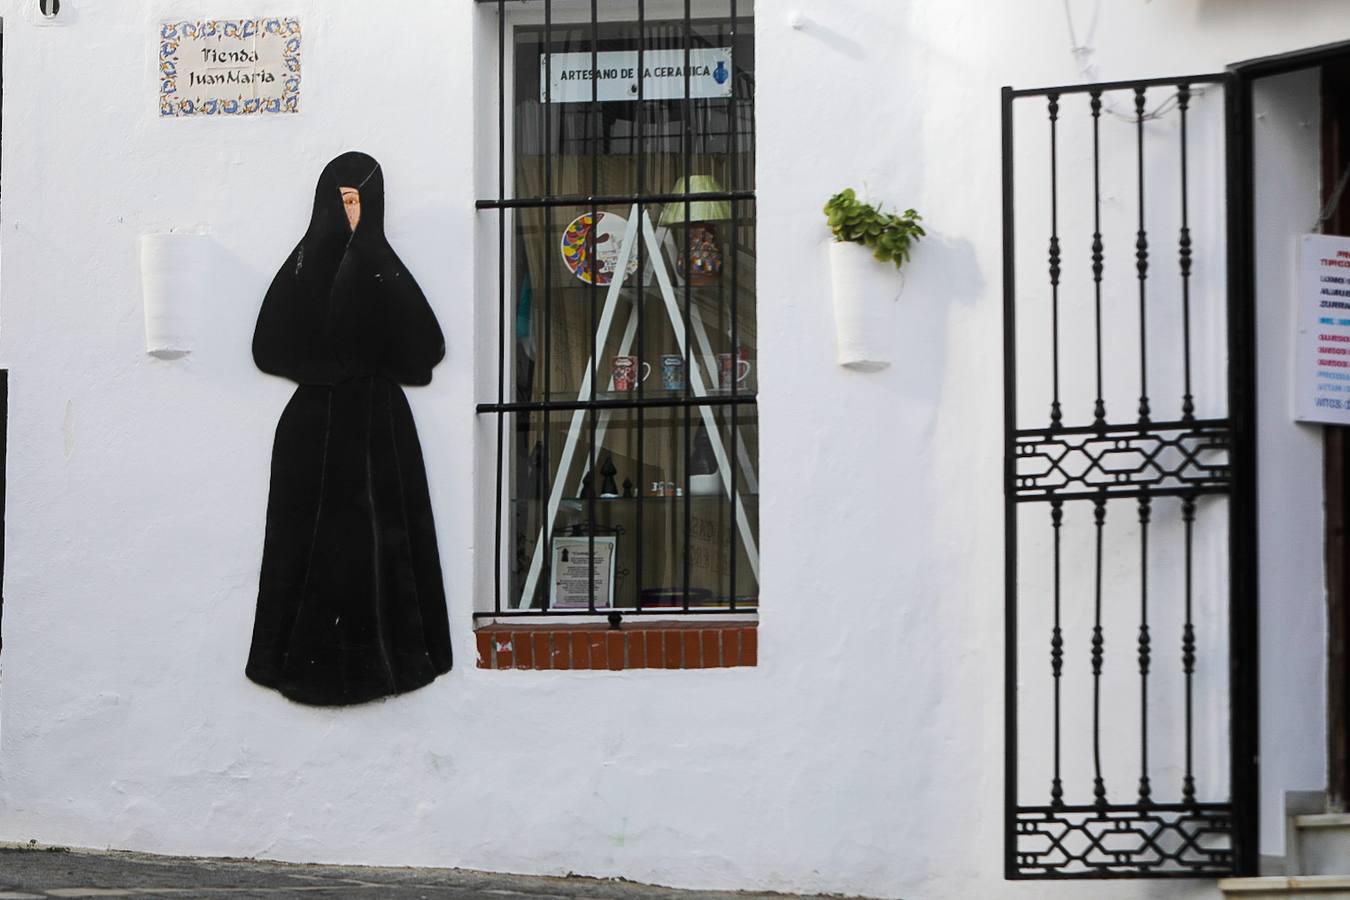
(547,466)
(1010,749)
(1244,618)
(1057,652)
(1145,515)
(497,560)
(1098,784)
(752,133)
(1056,411)
(1184,253)
(733,165)
(1141,262)
(593,130)
(1188,651)
(1099,410)
(640,289)
(687,145)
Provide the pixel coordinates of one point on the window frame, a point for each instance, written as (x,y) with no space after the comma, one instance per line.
(506,18)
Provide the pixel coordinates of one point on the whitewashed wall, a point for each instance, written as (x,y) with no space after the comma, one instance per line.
(864,754)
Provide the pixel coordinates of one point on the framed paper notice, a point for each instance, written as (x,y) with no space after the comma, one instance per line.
(573,569)
(229,67)
(1322,354)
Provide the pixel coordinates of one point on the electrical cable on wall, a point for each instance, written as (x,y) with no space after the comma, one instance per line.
(1333,202)
(1082,52)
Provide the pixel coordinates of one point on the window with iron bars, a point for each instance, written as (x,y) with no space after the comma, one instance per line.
(625,421)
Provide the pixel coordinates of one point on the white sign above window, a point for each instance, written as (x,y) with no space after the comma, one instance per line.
(614,74)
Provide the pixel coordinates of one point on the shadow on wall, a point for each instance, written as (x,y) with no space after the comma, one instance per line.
(836,41)
(944,273)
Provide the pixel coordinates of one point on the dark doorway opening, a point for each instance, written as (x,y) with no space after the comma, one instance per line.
(4,409)
(1336,213)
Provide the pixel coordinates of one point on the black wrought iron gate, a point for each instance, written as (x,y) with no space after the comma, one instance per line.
(1129,482)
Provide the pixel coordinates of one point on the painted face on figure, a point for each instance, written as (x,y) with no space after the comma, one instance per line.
(351,202)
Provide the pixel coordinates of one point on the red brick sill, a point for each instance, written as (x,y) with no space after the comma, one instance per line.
(656,645)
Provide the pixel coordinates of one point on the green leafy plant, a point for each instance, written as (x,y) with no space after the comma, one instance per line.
(887,235)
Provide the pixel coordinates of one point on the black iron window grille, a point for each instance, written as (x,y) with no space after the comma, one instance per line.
(625,412)
(1128,485)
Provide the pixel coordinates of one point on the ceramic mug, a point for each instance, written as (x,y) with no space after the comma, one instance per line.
(672,372)
(625,372)
(729,368)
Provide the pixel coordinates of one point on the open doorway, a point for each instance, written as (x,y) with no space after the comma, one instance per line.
(4,382)
(1336,220)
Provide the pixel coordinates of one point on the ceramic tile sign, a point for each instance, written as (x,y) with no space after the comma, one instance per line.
(568,76)
(1322,354)
(229,67)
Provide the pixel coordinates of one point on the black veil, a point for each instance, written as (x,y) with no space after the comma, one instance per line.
(343,304)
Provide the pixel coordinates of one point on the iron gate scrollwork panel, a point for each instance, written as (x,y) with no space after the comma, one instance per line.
(1123,449)
(1169,839)
(1180,458)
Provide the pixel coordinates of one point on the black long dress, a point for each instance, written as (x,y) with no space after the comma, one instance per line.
(351,603)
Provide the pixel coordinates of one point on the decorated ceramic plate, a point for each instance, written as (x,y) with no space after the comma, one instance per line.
(576,248)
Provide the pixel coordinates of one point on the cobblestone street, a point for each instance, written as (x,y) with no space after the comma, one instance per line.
(31,874)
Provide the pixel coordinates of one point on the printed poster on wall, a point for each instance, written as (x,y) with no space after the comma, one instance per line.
(229,67)
(1322,353)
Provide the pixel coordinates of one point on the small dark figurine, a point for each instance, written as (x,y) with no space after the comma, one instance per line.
(609,488)
(629,489)
(702,461)
(585,486)
(534,473)
(351,604)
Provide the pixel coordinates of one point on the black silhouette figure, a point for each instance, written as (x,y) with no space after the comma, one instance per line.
(351,604)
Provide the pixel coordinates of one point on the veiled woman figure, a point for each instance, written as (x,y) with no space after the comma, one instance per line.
(351,604)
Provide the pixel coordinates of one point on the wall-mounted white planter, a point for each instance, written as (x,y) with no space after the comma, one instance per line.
(866,307)
(176,272)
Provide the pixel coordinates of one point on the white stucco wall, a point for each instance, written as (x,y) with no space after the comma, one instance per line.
(864,754)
